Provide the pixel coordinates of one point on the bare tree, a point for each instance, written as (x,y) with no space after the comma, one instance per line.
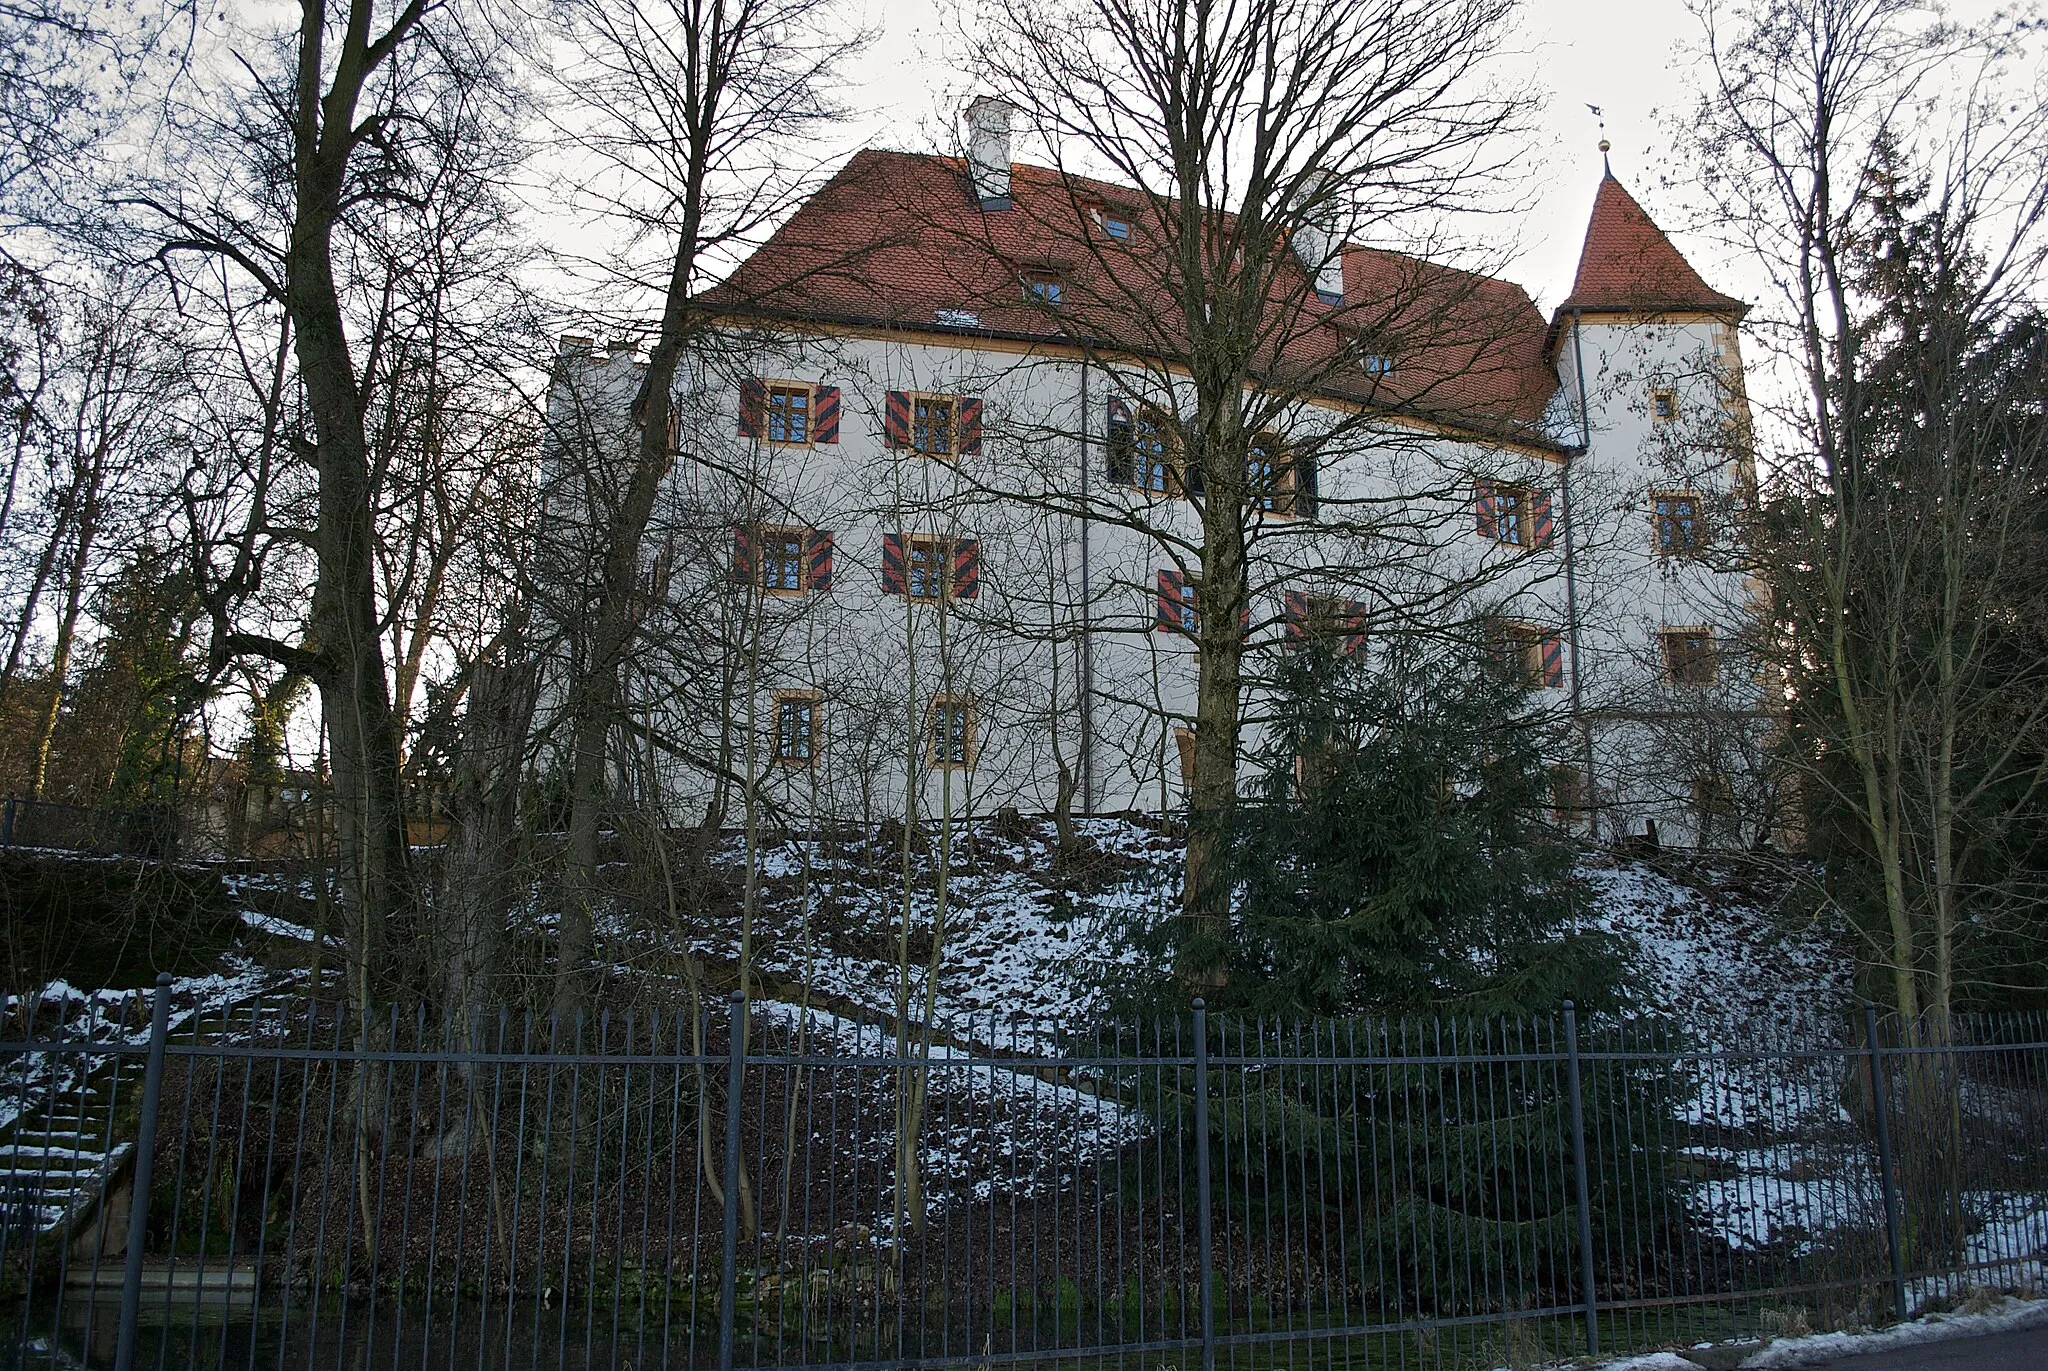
(1260,138)
(690,113)
(1889,170)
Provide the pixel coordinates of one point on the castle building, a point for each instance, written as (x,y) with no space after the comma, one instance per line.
(928,533)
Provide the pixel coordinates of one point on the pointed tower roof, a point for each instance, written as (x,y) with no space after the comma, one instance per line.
(1628,265)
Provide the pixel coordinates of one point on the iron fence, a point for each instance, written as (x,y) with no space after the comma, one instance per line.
(288,1184)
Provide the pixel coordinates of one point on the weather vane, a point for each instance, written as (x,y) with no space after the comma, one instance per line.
(1604,145)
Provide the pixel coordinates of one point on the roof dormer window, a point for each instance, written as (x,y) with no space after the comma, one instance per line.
(1330,297)
(1043,287)
(1117,227)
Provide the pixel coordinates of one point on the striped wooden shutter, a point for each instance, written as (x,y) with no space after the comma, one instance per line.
(818,551)
(1306,495)
(1541,522)
(1118,440)
(743,553)
(1173,600)
(753,407)
(967,428)
(1354,625)
(1294,608)
(1488,511)
(894,579)
(825,414)
(896,419)
(966,568)
(1553,661)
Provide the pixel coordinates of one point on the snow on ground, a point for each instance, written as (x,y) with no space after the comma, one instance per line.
(1717,951)
(2008,1314)
(63,1013)
(1023,941)
(985,1119)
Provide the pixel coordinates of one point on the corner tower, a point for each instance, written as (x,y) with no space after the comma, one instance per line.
(1651,391)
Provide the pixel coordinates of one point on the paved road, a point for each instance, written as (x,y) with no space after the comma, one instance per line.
(2023,1351)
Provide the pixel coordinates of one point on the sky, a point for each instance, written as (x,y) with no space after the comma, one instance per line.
(1627,58)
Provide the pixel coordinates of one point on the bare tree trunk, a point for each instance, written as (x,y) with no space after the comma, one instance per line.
(481,863)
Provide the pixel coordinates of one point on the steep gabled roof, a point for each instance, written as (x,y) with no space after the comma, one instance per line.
(898,240)
(1628,265)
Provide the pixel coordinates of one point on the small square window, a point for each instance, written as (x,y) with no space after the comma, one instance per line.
(1045,287)
(1680,530)
(1689,656)
(1663,404)
(789,415)
(1117,227)
(796,727)
(951,742)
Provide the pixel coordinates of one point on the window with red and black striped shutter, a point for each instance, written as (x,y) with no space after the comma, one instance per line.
(1487,512)
(818,551)
(895,580)
(1542,526)
(966,553)
(743,561)
(896,419)
(753,407)
(967,421)
(1177,609)
(825,414)
(1550,670)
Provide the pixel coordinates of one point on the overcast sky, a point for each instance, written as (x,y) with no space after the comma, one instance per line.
(1626,57)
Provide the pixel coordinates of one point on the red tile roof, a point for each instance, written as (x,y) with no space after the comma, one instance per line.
(1628,264)
(897,240)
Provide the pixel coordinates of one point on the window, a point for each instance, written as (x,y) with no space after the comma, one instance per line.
(1044,287)
(779,560)
(1117,227)
(796,727)
(1689,656)
(1526,653)
(1712,796)
(1151,451)
(1567,794)
(932,425)
(1179,604)
(951,743)
(1503,513)
(1514,515)
(1269,476)
(789,414)
(1663,404)
(1327,619)
(943,426)
(1376,364)
(1680,530)
(927,568)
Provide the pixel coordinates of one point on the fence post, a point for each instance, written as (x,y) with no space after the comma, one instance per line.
(1202,1219)
(728,1275)
(7,824)
(1888,1181)
(1585,1190)
(145,1163)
